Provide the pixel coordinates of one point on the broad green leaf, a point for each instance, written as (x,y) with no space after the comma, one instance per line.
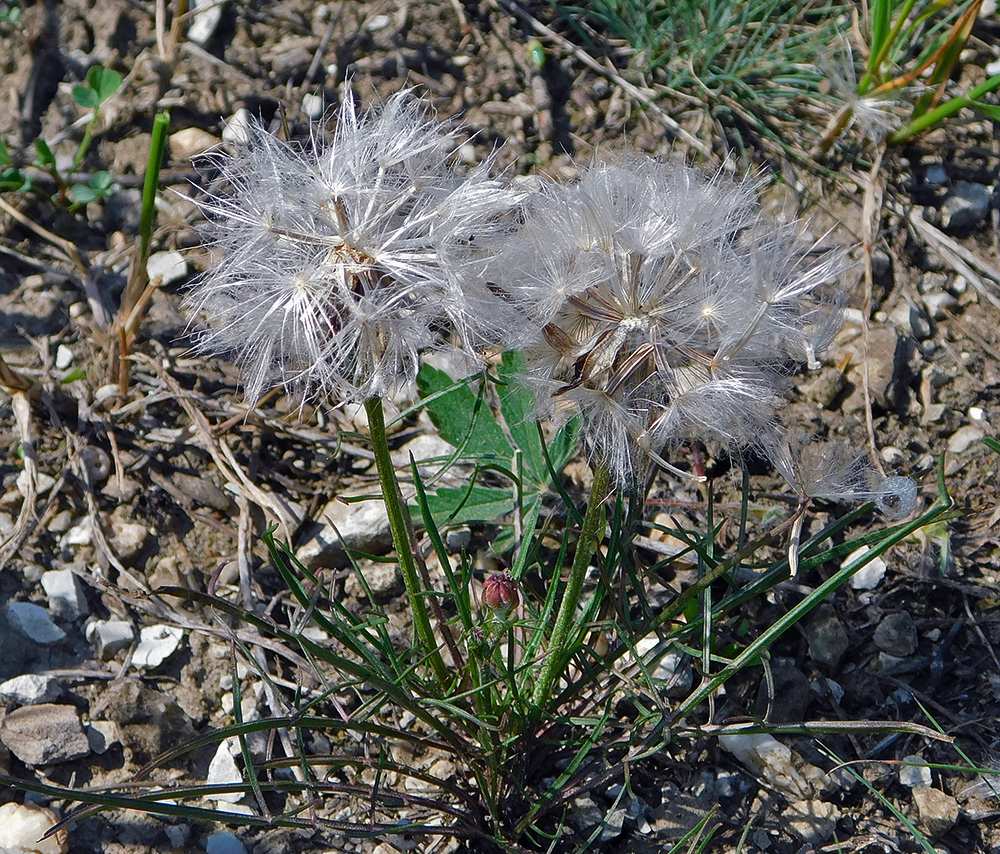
(83,194)
(473,504)
(12,179)
(517,405)
(85,96)
(102,182)
(462,419)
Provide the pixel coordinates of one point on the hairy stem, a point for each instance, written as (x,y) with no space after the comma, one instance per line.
(590,537)
(395,508)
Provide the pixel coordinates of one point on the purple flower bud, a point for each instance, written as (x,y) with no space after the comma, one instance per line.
(500,592)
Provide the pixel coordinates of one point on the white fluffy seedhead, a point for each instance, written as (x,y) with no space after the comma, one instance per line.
(329,276)
(665,308)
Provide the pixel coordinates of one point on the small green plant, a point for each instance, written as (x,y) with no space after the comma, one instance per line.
(10,13)
(101,84)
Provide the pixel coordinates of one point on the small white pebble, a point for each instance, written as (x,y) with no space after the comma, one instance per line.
(166,267)
(312,106)
(379,22)
(869,576)
(977,413)
(64,357)
(237,129)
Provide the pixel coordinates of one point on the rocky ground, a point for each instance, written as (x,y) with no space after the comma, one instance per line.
(105,496)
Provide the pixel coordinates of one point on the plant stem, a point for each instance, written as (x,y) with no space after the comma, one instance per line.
(396,511)
(590,537)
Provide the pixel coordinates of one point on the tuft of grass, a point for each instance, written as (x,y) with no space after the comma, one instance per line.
(749,66)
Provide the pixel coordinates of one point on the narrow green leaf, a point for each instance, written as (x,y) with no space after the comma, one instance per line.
(991,110)
(4,155)
(157,144)
(46,159)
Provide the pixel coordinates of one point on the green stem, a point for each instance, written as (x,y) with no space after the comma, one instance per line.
(586,546)
(396,511)
(945,111)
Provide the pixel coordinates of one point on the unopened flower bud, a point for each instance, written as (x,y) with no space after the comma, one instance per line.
(500,592)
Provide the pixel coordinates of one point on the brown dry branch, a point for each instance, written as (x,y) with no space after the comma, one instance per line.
(871,218)
(28,485)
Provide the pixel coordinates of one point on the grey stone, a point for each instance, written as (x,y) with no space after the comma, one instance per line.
(65,593)
(782,767)
(34,623)
(223,771)
(966,206)
(890,358)
(585,814)
(457,539)
(614,821)
(33,572)
(110,636)
(362,526)
(149,721)
(938,811)
(811,821)
(206,17)
(964,438)
(426,446)
(127,538)
(384,580)
(914,773)
(938,303)
(224,842)
(896,635)
(30,689)
(101,735)
(828,640)
(912,319)
(45,734)
(936,174)
(792,694)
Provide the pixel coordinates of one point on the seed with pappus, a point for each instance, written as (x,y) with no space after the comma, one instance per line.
(833,471)
(328,276)
(664,308)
